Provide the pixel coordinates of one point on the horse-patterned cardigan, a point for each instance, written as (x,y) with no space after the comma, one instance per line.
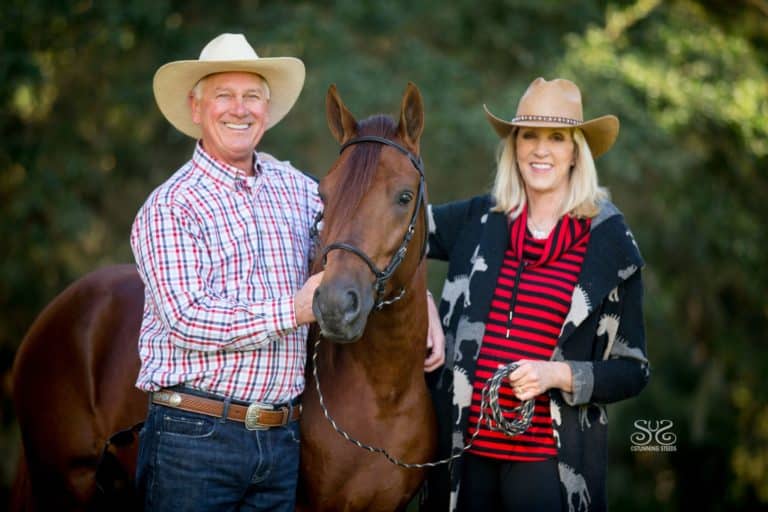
(602,340)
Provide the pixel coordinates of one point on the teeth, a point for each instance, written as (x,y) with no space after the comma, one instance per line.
(541,166)
(237,126)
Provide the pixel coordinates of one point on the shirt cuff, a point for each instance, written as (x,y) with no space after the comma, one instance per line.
(285,316)
(583,383)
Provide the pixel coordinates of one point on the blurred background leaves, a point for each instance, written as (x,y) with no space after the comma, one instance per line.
(83,144)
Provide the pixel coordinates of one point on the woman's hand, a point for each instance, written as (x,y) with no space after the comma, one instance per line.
(435,338)
(532,378)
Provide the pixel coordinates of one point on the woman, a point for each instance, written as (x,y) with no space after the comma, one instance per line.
(543,271)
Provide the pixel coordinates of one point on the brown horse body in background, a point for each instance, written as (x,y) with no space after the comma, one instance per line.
(74,374)
(372,377)
(73,388)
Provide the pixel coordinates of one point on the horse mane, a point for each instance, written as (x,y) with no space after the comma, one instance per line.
(362,163)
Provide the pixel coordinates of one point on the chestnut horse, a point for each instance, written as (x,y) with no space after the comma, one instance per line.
(74,373)
(73,389)
(371,310)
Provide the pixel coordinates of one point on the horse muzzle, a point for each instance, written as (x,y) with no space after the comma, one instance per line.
(342,311)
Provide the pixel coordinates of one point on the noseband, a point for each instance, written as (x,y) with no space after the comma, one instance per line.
(382,276)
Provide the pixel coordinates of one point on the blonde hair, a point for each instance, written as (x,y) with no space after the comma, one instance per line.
(584,192)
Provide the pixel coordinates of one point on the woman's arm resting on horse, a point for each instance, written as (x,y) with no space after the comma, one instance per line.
(435,338)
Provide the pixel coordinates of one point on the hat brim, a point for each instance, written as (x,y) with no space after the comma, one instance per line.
(174,81)
(600,132)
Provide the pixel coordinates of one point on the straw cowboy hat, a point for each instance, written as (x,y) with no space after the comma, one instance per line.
(227,52)
(557,103)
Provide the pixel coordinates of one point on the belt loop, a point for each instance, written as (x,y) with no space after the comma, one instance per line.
(225,410)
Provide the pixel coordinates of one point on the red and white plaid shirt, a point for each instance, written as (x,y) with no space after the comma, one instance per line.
(221,255)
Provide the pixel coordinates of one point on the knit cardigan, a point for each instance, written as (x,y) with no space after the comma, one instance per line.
(602,340)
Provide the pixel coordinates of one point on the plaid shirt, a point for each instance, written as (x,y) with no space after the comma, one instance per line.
(221,255)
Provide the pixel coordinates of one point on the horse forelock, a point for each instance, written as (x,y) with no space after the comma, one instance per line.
(357,173)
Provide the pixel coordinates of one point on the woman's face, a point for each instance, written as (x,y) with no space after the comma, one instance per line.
(545,157)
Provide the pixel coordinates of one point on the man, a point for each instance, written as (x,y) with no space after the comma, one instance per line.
(223,249)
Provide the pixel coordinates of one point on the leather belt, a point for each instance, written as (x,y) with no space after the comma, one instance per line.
(256,416)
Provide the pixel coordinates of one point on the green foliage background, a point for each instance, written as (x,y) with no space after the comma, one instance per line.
(83,144)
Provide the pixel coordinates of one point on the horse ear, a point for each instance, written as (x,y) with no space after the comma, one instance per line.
(411,116)
(340,120)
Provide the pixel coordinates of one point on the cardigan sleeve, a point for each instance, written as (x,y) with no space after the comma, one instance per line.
(446,222)
(625,371)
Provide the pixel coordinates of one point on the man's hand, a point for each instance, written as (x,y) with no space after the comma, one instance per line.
(435,338)
(302,301)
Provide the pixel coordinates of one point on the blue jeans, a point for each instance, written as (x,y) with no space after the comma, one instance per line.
(194,462)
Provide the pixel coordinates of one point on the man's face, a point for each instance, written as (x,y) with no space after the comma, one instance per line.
(232,112)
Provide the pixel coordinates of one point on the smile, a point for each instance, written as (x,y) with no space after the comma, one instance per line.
(239,126)
(541,167)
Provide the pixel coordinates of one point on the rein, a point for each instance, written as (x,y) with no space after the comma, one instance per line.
(382,276)
(489,399)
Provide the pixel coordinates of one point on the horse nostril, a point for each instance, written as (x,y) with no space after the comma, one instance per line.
(352,308)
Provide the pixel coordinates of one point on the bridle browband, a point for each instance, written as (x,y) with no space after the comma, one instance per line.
(382,276)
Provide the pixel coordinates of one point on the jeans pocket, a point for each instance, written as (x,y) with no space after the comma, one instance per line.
(294,431)
(180,424)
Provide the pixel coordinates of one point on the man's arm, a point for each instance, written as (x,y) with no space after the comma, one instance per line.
(172,258)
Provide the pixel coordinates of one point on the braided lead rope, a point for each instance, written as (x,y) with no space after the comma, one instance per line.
(489,400)
(383,302)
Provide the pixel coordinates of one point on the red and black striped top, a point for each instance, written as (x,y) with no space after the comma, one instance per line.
(531,300)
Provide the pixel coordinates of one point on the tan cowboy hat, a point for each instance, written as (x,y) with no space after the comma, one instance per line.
(556,103)
(227,52)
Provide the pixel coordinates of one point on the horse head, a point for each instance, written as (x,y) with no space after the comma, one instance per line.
(374,223)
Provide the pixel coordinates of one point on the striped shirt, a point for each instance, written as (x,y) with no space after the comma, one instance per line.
(221,255)
(531,300)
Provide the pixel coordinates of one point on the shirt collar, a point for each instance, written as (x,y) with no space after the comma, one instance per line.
(221,173)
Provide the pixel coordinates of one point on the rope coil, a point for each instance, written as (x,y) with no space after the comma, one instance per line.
(520,422)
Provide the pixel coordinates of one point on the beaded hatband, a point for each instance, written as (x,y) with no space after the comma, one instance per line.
(547,119)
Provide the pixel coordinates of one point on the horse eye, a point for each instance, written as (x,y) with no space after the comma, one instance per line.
(405,197)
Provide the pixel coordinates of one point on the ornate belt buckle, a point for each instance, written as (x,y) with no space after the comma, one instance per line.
(252,415)
(167,398)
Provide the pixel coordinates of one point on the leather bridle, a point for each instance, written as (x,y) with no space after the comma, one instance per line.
(382,276)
